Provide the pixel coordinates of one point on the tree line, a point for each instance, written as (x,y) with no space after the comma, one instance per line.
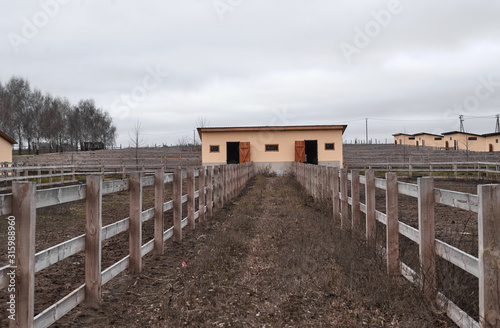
(34,118)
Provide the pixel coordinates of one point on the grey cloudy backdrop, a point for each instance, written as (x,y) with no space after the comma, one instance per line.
(407,66)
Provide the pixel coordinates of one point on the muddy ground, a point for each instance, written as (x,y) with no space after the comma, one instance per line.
(273,258)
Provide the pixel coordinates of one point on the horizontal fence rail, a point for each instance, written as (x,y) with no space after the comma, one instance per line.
(486,204)
(448,169)
(217,185)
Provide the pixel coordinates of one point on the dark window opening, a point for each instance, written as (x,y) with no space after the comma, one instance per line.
(312,151)
(272,148)
(411,138)
(438,138)
(472,138)
(496,141)
(329,146)
(214,149)
(233,153)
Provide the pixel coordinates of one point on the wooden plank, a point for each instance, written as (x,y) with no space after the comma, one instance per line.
(5,204)
(135,230)
(409,232)
(458,257)
(61,308)
(370,206)
(344,206)
(115,269)
(408,189)
(190,194)
(168,205)
(59,252)
(24,223)
(335,193)
(56,196)
(380,183)
(201,197)
(489,255)
(115,228)
(460,317)
(468,202)
(168,233)
(158,212)
(392,227)
(426,227)
(93,247)
(177,204)
(209,191)
(147,247)
(356,213)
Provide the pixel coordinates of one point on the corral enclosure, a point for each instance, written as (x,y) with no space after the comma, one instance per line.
(462,233)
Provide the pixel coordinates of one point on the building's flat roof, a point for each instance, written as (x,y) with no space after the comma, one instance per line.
(491,134)
(429,134)
(272,128)
(402,134)
(6,137)
(458,132)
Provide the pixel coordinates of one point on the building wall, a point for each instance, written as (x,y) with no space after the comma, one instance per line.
(494,141)
(285,140)
(403,139)
(429,140)
(5,150)
(464,143)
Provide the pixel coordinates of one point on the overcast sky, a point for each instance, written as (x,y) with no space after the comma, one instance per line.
(407,66)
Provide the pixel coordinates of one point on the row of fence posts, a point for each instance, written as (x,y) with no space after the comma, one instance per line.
(217,185)
(325,184)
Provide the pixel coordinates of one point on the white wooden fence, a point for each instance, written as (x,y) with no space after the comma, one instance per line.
(330,183)
(217,185)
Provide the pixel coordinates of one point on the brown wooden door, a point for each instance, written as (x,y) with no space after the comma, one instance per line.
(300,151)
(244,152)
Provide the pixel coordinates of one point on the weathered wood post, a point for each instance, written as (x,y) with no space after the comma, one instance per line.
(39,173)
(159,226)
(209,191)
(343,200)
(216,189)
(93,241)
(190,194)
(50,176)
(410,170)
(177,204)
(370,206)
(335,191)
(426,228)
(356,212)
(201,192)
(24,216)
(73,178)
(392,228)
(135,230)
(123,172)
(62,175)
(455,171)
(489,255)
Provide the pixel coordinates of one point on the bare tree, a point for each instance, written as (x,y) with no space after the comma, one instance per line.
(137,140)
(201,122)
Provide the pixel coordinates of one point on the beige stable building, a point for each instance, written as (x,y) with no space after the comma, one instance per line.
(276,147)
(465,141)
(492,141)
(6,143)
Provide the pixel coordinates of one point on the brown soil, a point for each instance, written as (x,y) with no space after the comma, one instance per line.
(270,259)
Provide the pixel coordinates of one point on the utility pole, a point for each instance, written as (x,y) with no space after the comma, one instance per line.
(497,128)
(461,117)
(366,130)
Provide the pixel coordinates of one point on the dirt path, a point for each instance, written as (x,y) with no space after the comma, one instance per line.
(270,259)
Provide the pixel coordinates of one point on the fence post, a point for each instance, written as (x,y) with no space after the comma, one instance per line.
(489,255)
(177,204)
(455,170)
(356,212)
(50,176)
(216,189)
(73,178)
(410,170)
(201,193)
(335,191)
(93,241)
(392,228)
(24,213)
(123,172)
(370,206)
(344,205)
(209,191)
(62,175)
(39,176)
(159,196)
(190,194)
(426,228)
(135,230)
